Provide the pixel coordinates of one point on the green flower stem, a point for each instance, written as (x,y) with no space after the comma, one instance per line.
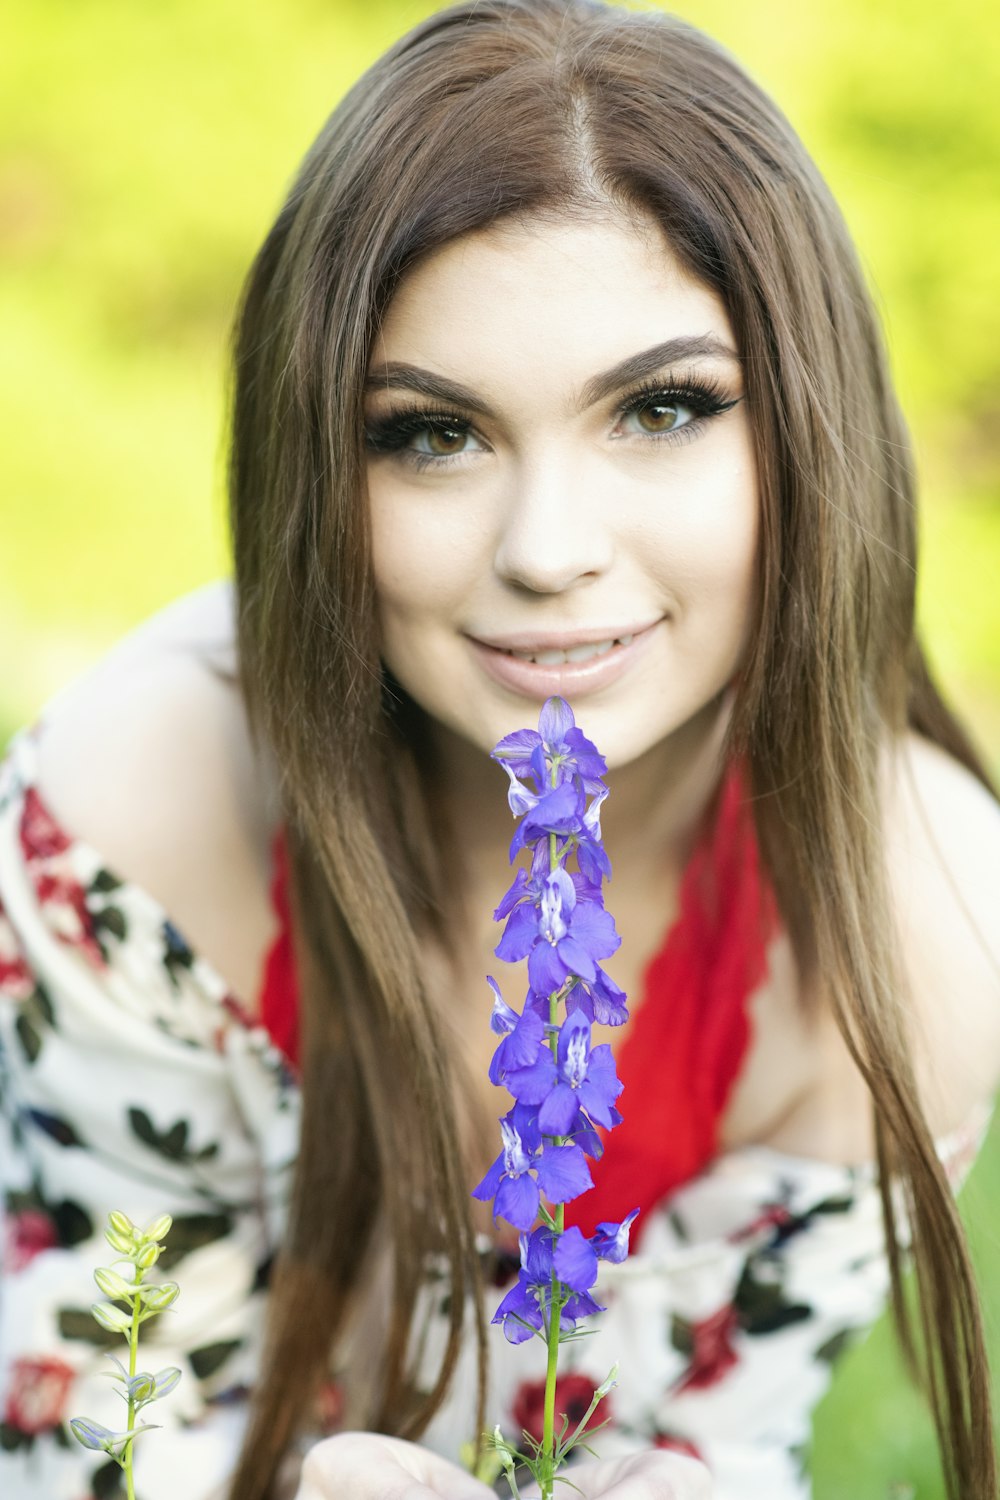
(133,1355)
(555,1305)
(551,1372)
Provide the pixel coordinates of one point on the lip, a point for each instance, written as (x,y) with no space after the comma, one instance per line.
(533,680)
(560,640)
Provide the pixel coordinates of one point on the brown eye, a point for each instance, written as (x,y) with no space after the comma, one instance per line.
(657,416)
(444,440)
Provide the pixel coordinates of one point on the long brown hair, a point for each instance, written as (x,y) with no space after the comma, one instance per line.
(542,106)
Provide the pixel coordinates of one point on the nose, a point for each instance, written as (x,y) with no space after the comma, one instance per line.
(557,529)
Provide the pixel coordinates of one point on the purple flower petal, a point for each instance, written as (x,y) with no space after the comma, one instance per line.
(518,891)
(517,746)
(517,1201)
(582,1305)
(533,1084)
(574,1048)
(555,908)
(517,1309)
(563,1173)
(594,927)
(520,799)
(519,934)
(488,1187)
(588,760)
(520,1048)
(574,1260)
(594,863)
(559,1110)
(601,1087)
(575,958)
(504,1019)
(515,1330)
(610,1008)
(545,971)
(555,721)
(560,810)
(580,999)
(610,1241)
(536,1255)
(586,1137)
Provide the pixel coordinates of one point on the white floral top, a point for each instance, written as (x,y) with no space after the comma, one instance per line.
(131,1078)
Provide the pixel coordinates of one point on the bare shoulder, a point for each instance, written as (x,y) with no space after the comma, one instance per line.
(147,757)
(943,847)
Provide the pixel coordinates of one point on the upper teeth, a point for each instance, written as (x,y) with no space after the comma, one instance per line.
(575,653)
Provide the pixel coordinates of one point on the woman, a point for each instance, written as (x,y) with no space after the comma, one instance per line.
(555,374)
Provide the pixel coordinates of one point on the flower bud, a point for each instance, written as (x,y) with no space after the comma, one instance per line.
(113,1285)
(158,1229)
(165,1380)
(141,1387)
(148,1256)
(120,1242)
(111,1318)
(157,1298)
(91,1434)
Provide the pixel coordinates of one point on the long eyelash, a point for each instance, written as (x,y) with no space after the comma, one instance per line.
(391,432)
(706,398)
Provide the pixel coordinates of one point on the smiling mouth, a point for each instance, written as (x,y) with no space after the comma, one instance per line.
(558,658)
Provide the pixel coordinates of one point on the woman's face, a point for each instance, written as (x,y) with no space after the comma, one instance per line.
(562,486)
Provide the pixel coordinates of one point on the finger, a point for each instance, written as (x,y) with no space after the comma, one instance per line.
(644,1476)
(370,1466)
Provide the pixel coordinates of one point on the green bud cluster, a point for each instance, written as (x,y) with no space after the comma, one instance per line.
(132,1301)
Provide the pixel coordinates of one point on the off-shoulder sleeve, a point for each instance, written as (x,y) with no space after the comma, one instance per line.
(130,1079)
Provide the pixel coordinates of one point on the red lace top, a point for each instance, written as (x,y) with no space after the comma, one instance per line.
(691,1032)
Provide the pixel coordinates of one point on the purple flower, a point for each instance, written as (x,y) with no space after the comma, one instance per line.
(560,810)
(557,743)
(524,1310)
(522,1035)
(593,861)
(562,1172)
(600,1000)
(561,936)
(574,1260)
(564,1087)
(579,1077)
(610,1241)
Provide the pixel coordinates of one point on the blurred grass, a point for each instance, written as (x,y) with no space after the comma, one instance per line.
(143,152)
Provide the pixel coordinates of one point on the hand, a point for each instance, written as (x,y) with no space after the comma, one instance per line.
(656,1475)
(368,1466)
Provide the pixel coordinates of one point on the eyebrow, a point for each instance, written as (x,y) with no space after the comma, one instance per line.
(396,374)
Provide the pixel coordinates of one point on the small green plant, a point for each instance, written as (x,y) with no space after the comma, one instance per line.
(140,1249)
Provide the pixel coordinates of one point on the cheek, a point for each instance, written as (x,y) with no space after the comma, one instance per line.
(422,561)
(703,541)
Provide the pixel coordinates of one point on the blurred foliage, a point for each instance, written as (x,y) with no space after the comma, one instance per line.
(144,149)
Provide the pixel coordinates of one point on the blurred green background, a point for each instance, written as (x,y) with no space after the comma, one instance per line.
(145,146)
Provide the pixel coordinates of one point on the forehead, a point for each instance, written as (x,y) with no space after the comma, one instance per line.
(577,293)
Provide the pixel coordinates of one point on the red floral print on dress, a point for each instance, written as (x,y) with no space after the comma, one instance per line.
(574,1393)
(59,892)
(41,836)
(39,1389)
(675,1444)
(772,1216)
(16,979)
(27,1234)
(712,1352)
